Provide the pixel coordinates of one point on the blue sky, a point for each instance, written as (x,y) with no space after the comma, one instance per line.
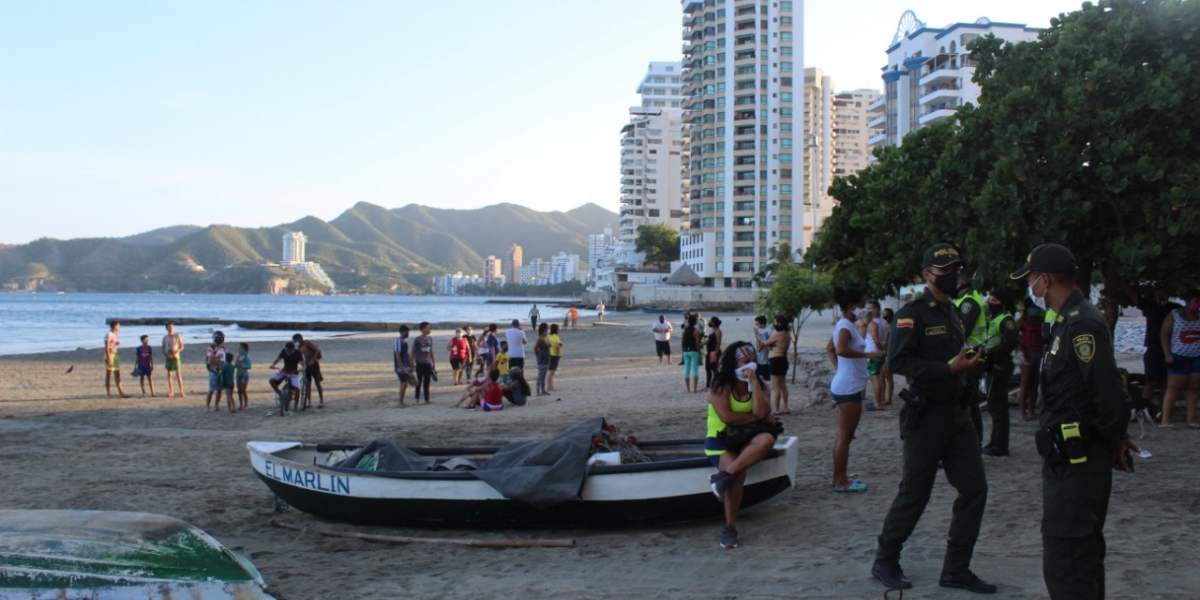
(122,116)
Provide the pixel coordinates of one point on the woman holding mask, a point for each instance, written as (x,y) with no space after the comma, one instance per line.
(778,345)
(736,400)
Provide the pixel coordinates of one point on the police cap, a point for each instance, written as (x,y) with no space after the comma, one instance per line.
(941,255)
(1047,258)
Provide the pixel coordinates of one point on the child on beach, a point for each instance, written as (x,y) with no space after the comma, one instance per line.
(243,366)
(228,377)
(473,392)
(143,365)
(502,362)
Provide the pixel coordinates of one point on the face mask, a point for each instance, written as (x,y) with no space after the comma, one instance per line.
(1040,301)
(860,313)
(946,284)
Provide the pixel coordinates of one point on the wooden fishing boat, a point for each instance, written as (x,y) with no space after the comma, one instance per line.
(672,486)
(106,555)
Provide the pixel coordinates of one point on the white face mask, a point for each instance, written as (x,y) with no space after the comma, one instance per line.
(860,313)
(1040,301)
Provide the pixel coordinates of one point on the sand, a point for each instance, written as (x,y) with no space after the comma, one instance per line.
(66,446)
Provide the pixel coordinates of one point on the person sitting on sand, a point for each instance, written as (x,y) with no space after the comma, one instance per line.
(492,398)
(736,398)
(517,389)
(472,392)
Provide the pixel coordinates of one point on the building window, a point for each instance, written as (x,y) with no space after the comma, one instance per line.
(785,67)
(785,158)
(785,220)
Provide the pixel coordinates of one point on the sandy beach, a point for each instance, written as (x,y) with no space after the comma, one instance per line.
(66,446)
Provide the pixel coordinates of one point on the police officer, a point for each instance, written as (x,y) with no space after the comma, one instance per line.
(928,346)
(999,344)
(975,319)
(1083,394)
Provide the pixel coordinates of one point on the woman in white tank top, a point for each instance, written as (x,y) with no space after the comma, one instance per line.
(847,352)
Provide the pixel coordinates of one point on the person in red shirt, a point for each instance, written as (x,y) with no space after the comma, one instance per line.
(460,352)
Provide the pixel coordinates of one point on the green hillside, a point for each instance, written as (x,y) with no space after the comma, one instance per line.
(367,247)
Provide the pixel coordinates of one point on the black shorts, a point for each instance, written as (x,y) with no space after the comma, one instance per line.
(779,366)
(763,370)
(313,373)
(456,363)
(554,363)
(662,348)
(1154,362)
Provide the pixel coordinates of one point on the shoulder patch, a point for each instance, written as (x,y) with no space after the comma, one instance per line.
(964,307)
(1085,347)
(1009,324)
(1060,319)
(932,304)
(904,323)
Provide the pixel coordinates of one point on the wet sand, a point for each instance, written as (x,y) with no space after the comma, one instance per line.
(66,446)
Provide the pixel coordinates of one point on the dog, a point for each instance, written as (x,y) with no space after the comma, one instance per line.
(1140,412)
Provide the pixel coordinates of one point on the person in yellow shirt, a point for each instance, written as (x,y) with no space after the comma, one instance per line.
(556,346)
(502,361)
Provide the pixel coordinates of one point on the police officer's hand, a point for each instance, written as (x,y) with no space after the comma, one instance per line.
(1120,461)
(963,362)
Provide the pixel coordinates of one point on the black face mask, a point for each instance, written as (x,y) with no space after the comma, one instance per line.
(946,284)
(780,327)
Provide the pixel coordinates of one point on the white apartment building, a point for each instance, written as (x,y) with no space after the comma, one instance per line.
(448,285)
(742,164)
(651,144)
(293,247)
(851,135)
(600,245)
(564,267)
(493,273)
(928,74)
(535,272)
(818,152)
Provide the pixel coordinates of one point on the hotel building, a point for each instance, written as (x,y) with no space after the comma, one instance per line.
(741,59)
(651,146)
(928,74)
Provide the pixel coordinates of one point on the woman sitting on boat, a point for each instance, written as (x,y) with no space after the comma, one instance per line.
(741,429)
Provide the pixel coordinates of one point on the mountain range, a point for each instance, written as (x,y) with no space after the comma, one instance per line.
(367,247)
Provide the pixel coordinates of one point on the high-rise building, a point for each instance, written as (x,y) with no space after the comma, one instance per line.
(512,264)
(293,247)
(740,61)
(599,245)
(928,74)
(651,146)
(818,152)
(492,271)
(851,135)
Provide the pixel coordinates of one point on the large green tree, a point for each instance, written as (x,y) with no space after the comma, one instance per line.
(798,292)
(1083,137)
(658,241)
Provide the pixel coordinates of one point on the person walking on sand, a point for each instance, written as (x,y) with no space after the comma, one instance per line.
(312,370)
(690,344)
(929,347)
(662,340)
(112,364)
(600,311)
(574,315)
(460,351)
(541,354)
(425,361)
(172,347)
(143,365)
(534,315)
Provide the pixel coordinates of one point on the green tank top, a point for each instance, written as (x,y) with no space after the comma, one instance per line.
(715,424)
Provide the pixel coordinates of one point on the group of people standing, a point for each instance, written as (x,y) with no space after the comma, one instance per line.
(415,362)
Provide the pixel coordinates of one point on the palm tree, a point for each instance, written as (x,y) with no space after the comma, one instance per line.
(777,256)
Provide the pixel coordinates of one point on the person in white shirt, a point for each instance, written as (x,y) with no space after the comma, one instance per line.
(847,352)
(662,340)
(516,345)
(876,341)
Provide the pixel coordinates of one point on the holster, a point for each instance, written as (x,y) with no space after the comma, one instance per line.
(913,410)
(1057,450)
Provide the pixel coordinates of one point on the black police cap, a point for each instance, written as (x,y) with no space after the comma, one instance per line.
(941,255)
(1047,258)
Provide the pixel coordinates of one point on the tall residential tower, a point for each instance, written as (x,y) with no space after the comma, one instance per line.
(743,83)
(651,146)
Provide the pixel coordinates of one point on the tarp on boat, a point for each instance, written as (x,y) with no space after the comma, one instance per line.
(386,455)
(543,473)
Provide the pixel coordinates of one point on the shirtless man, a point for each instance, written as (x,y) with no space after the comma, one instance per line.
(172,347)
(312,369)
(112,365)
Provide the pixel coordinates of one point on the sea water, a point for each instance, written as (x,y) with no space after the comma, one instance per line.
(36,322)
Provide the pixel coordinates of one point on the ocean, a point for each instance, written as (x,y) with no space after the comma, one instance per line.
(34,323)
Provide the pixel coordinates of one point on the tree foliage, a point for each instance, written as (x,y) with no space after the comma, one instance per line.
(777,256)
(799,292)
(1084,137)
(658,241)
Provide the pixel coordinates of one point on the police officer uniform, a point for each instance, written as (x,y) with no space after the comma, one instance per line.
(975,320)
(1000,342)
(1080,384)
(926,336)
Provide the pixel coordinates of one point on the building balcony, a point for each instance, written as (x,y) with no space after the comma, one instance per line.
(878,105)
(941,75)
(941,95)
(876,139)
(692,6)
(877,122)
(936,114)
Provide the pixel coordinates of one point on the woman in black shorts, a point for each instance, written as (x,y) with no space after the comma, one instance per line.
(778,345)
(712,352)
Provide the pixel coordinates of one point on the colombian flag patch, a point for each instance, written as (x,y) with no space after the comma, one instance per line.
(904,324)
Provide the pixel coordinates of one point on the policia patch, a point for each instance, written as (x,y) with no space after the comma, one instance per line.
(1085,347)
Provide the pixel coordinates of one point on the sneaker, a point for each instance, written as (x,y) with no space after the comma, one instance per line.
(729,537)
(890,574)
(991,450)
(967,580)
(720,482)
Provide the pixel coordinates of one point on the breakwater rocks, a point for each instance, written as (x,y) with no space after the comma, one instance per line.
(265,325)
